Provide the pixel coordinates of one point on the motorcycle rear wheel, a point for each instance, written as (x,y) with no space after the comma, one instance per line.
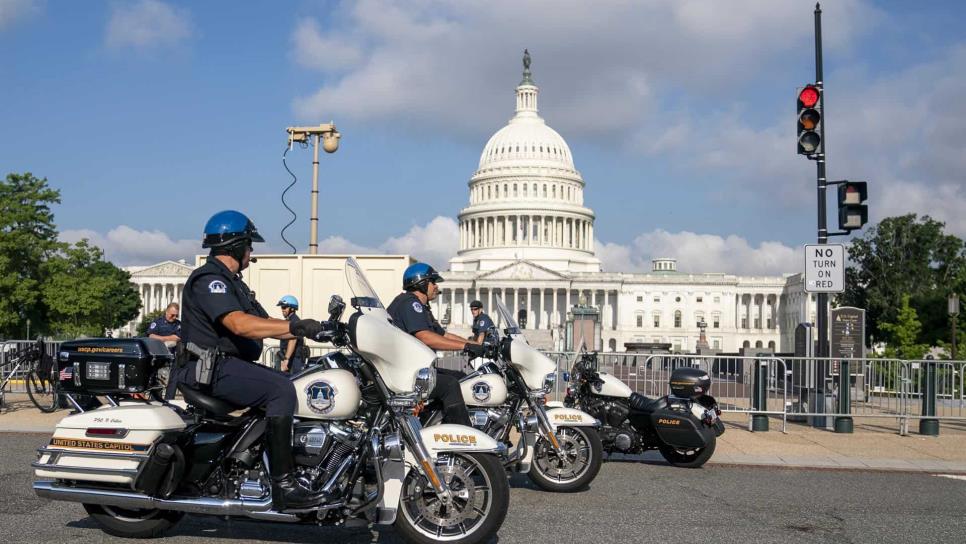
(688,457)
(481,496)
(133,523)
(583,456)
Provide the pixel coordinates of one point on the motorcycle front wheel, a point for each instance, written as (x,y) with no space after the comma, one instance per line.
(575,469)
(133,523)
(688,457)
(481,496)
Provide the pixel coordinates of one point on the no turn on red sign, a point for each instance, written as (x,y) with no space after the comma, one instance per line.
(824,268)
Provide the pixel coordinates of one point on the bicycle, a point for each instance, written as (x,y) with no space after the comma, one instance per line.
(41,378)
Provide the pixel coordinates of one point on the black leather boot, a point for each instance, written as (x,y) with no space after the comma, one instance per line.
(287,492)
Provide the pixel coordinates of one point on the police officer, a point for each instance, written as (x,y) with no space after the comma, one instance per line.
(481,323)
(221,313)
(410,312)
(167,327)
(293,356)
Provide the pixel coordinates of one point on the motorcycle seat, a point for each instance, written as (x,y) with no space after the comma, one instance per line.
(211,406)
(640,403)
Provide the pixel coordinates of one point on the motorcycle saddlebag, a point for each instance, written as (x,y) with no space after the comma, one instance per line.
(680,429)
(690,383)
(109,366)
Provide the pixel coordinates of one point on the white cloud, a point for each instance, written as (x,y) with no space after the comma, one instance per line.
(13,10)
(434,243)
(438,241)
(125,246)
(697,253)
(312,49)
(426,60)
(147,23)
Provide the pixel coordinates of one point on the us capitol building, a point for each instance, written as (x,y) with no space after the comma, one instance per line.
(527,237)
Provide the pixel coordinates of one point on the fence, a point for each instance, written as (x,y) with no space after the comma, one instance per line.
(8,351)
(806,389)
(881,391)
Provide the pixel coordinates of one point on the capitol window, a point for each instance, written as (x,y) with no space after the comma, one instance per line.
(657,298)
(640,298)
(657,320)
(640,321)
(700,299)
(677,319)
(716,320)
(717,300)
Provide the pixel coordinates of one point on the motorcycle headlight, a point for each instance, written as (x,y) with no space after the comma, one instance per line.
(425,382)
(549,381)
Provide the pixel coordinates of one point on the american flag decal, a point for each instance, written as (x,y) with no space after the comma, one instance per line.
(66,373)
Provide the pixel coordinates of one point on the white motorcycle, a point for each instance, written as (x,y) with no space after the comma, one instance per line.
(558,448)
(138,467)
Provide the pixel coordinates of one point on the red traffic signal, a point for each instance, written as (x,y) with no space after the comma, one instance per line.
(809,121)
(808,97)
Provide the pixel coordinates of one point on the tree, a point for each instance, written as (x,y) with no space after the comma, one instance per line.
(84,295)
(902,336)
(27,237)
(905,255)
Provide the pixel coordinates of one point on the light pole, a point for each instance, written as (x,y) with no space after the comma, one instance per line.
(329,136)
(954,315)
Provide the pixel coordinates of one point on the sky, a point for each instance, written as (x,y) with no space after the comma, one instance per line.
(151,115)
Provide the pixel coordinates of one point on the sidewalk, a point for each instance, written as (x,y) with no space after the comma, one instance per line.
(870,447)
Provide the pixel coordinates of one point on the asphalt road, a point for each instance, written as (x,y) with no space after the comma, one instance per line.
(630,501)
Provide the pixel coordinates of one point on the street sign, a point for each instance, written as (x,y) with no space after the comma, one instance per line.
(824,268)
(848,338)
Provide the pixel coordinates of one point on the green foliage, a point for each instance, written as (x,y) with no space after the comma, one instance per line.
(84,294)
(903,335)
(905,256)
(65,290)
(142,328)
(27,237)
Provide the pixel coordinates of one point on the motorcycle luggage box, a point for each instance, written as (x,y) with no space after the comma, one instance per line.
(110,366)
(689,383)
(679,429)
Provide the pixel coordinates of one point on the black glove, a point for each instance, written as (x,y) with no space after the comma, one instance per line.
(328,331)
(474,350)
(305,327)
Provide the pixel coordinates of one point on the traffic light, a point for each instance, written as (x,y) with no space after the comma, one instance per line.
(809,121)
(852,212)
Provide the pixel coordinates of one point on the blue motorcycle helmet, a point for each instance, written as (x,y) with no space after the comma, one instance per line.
(231,233)
(288,301)
(228,226)
(417,276)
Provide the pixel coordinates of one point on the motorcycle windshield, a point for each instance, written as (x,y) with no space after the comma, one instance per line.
(506,318)
(364,296)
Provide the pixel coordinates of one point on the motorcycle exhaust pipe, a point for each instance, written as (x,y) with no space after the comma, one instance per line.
(128,499)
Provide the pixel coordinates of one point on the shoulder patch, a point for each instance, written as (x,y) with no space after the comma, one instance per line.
(153,325)
(417,307)
(217,286)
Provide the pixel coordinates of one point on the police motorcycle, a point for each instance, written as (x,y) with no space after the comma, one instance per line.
(683,426)
(558,448)
(138,467)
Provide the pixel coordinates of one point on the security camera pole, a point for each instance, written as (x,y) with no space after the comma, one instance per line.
(329,136)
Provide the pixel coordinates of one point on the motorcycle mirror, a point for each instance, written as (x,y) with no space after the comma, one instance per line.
(565,376)
(336,307)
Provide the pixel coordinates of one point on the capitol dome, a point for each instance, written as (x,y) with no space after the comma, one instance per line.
(526,198)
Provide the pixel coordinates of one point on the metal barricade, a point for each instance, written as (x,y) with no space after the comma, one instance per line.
(8,351)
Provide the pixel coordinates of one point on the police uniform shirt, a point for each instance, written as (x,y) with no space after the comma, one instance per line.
(211,292)
(162,327)
(299,341)
(482,323)
(412,316)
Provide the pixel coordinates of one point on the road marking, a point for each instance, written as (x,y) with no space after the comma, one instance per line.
(952,476)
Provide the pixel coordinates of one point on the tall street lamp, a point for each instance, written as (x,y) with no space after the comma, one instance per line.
(954,314)
(329,137)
